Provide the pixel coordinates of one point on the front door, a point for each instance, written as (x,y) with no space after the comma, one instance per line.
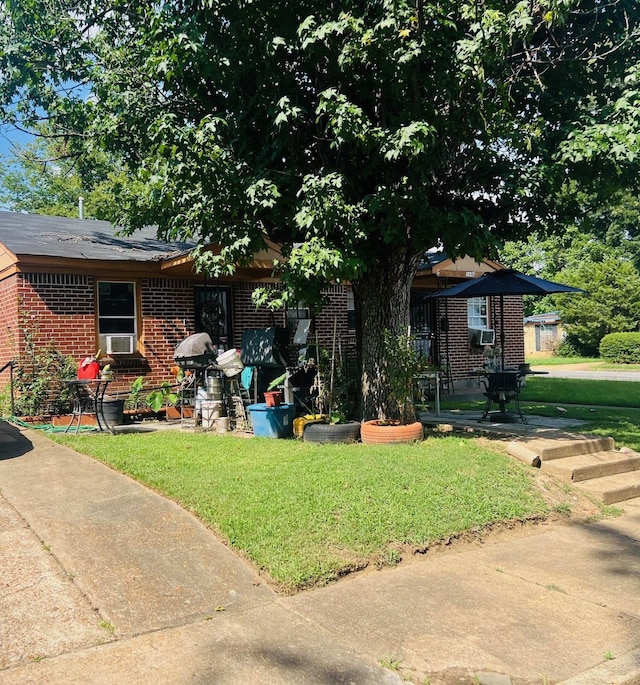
(213,314)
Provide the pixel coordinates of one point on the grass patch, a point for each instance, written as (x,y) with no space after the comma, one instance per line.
(561,361)
(581,391)
(599,364)
(623,425)
(308,513)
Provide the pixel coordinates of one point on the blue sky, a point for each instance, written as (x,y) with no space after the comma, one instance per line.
(9,135)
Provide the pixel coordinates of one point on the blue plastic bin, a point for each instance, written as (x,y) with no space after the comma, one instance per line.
(272,422)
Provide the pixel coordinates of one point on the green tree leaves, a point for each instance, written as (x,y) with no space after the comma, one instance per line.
(612,304)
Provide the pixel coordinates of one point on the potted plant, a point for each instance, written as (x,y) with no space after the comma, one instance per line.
(403,363)
(161,397)
(106,374)
(273,397)
(112,410)
(135,408)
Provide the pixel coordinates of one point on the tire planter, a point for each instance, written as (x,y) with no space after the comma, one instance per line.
(326,432)
(372,433)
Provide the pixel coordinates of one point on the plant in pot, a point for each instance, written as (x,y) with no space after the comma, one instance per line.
(272,396)
(162,397)
(403,362)
(329,421)
(135,406)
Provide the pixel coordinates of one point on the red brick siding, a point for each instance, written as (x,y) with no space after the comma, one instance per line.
(333,314)
(167,319)
(513,331)
(62,309)
(463,357)
(246,315)
(9,330)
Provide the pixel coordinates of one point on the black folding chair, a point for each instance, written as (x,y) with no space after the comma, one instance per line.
(502,387)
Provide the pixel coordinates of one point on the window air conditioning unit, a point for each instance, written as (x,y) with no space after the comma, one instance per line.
(119,344)
(482,336)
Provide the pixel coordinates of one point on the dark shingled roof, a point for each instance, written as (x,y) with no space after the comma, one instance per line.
(54,236)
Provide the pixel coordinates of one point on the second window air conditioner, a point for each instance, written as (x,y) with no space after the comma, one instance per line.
(119,344)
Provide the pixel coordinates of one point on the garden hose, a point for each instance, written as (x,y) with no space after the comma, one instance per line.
(45,427)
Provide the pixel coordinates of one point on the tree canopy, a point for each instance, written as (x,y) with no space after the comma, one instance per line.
(600,253)
(356,134)
(43,179)
(611,306)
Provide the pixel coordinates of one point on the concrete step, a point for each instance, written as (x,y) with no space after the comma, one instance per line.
(596,465)
(571,447)
(612,489)
(534,449)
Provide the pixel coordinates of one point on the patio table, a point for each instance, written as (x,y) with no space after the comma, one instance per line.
(503,387)
(88,396)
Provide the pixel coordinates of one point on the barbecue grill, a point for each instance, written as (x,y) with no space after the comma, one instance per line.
(197,352)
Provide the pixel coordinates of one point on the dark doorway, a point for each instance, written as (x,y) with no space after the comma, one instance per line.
(213,314)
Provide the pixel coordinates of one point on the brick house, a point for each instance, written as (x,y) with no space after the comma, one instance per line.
(77,284)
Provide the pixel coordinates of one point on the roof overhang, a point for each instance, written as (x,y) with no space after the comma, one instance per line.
(260,267)
(462,268)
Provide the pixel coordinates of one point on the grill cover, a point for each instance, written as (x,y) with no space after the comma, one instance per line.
(195,352)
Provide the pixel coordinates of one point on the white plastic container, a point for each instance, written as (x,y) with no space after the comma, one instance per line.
(201,395)
(230,362)
(212,410)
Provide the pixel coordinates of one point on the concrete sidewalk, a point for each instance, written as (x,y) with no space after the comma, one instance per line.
(104,581)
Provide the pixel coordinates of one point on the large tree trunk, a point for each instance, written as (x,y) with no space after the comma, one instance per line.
(382,297)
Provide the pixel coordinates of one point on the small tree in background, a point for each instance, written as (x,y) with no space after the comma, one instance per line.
(44,179)
(611,305)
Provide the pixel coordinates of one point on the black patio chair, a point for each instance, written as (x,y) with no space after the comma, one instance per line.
(502,387)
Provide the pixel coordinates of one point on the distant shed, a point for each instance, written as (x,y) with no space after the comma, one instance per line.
(543,333)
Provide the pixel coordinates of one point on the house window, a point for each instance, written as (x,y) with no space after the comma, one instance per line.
(478,312)
(351,311)
(117,318)
(298,313)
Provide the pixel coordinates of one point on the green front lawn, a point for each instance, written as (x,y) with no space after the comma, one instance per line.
(308,513)
(581,391)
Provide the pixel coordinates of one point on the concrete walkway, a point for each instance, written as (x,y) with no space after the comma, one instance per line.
(105,581)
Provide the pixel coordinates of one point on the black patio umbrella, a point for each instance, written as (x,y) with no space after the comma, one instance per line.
(505,282)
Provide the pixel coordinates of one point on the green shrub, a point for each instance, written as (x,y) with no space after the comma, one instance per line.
(38,378)
(621,348)
(569,348)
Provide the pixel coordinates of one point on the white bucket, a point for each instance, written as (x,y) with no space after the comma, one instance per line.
(230,362)
(211,413)
(222,425)
(201,396)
